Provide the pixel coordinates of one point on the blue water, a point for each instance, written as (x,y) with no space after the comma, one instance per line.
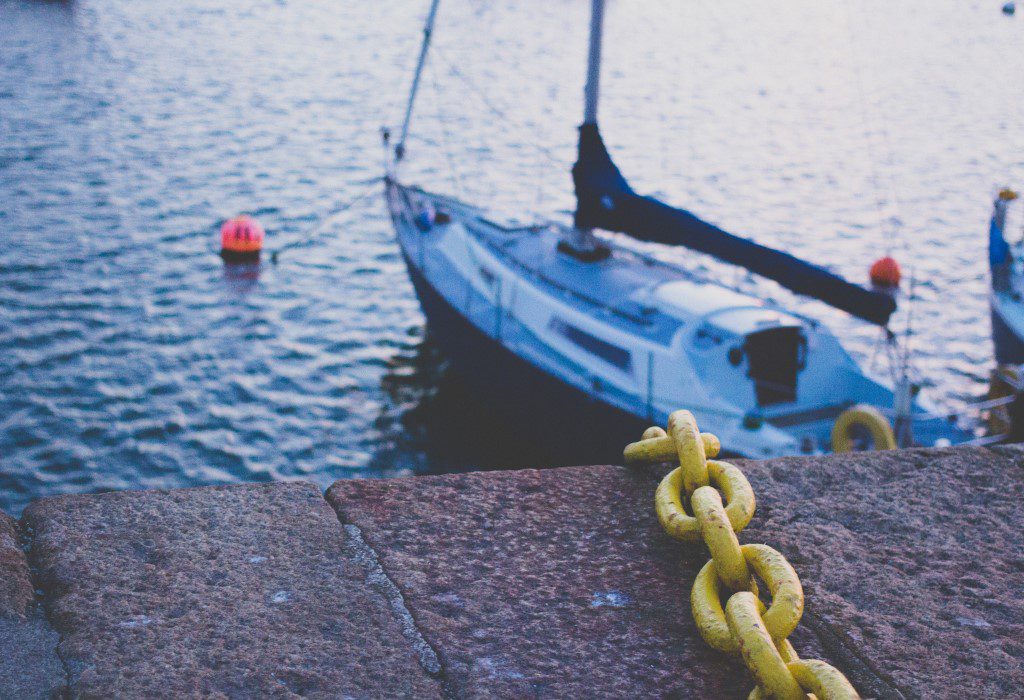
(131,358)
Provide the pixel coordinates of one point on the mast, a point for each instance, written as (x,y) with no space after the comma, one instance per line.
(605,200)
(428,30)
(591,89)
(580,242)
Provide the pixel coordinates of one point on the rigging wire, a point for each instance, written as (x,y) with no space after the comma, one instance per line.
(497,111)
(887,199)
(446,136)
(331,217)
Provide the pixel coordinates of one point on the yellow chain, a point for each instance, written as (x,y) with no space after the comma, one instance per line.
(744,625)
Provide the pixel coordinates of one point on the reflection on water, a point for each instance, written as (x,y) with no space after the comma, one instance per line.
(433,412)
(131,357)
(242,277)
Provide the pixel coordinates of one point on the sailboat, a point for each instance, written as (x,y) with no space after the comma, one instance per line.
(568,320)
(1006,299)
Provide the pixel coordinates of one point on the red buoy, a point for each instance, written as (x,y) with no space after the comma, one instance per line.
(885,272)
(241,238)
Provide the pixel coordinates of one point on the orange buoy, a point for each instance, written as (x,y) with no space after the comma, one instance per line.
(885,272)
(241,238)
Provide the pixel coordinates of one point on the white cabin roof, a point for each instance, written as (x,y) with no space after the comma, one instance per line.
(730,310)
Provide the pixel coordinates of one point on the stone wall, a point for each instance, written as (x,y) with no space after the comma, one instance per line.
(530,583)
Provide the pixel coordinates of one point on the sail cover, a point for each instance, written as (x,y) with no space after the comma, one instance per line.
(605,200)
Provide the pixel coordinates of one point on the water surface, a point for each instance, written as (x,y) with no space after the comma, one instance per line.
(131,358)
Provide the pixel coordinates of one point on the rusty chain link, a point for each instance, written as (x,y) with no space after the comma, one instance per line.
(744,625)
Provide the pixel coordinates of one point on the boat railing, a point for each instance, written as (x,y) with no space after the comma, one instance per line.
(637,319)
(645,258)
(968,408)
(985,440)
(955,416)
(634,318)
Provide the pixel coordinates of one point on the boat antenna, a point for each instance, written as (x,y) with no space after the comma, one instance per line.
(428,30)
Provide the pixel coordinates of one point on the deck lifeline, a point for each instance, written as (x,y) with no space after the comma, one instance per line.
(621,286)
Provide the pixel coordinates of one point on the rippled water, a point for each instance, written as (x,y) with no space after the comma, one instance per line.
(131,358)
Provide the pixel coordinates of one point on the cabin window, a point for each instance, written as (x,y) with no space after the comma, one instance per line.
(612,354)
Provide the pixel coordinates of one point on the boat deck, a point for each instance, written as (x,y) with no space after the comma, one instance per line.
(619,287)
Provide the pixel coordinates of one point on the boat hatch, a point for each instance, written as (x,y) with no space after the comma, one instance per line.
(685,299)
(774,359)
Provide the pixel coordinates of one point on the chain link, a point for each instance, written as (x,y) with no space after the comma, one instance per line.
(744,625)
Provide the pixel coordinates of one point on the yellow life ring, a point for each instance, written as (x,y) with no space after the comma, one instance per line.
(866,418)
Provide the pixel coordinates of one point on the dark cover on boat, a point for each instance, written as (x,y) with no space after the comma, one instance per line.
(605,200)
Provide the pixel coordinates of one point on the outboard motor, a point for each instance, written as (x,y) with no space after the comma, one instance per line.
(1009,421)
(775,357)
